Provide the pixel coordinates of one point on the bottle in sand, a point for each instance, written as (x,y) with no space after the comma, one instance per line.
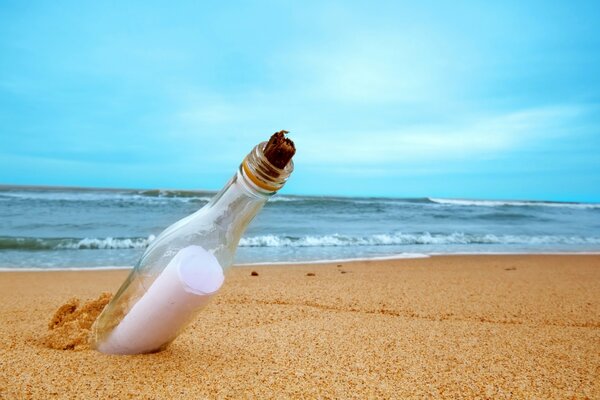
(185,265)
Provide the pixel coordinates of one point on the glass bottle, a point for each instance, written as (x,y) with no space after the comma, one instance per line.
(185,265)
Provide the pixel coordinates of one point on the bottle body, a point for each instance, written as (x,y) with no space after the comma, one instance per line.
(183,267)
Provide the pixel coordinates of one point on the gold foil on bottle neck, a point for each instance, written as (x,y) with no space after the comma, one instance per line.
(257,181)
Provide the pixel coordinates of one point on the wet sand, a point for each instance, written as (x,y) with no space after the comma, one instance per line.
(441,327)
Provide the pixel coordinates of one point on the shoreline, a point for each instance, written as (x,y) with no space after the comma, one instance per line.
(485,326)
(407,256)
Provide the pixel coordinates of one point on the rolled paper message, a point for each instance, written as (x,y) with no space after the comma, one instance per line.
(187,283)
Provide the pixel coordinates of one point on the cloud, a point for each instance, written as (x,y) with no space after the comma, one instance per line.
(482,137)
(373,68)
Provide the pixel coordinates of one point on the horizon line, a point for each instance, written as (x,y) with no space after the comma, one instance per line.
(214,191)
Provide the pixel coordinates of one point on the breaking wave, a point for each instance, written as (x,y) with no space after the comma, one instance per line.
(503,203)
(424,238)
(336,240)
(28,243)
(107,196)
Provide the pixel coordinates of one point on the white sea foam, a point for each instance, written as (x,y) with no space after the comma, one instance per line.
(501,203)
(106,243)
(279,198)
(99,196)
(425,238)
(335,240)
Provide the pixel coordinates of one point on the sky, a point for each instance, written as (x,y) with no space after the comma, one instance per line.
(441,99)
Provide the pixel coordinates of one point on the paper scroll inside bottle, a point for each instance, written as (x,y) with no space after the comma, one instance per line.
(187,283)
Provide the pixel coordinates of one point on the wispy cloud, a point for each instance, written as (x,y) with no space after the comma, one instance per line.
(374,67)
(482,137)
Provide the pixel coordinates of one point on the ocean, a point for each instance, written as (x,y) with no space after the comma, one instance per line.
(54,228)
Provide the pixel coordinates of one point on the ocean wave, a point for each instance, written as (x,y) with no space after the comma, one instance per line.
(176,194)
(503,203)
(425,238)
(118,197)
(335,240)
(285,199)
(29,243)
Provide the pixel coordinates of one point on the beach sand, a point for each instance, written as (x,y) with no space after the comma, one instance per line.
(440,327)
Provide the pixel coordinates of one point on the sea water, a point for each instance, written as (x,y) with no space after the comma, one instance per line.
(86,228)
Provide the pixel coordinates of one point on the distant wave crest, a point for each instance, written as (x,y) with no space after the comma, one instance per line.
(503,203)
(116,197)
(165,196)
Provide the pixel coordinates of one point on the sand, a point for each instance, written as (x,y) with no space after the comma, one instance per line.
(71,325)
(442,327)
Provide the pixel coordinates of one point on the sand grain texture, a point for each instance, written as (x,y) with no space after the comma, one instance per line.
(444,327)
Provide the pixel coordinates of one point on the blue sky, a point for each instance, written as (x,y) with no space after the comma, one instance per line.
(440,99)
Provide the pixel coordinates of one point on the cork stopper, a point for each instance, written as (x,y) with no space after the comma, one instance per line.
(279,150)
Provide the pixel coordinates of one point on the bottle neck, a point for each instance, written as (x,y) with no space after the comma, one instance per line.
(236,205)
(260,176)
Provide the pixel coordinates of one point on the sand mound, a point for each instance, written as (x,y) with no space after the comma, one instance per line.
(70,327)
